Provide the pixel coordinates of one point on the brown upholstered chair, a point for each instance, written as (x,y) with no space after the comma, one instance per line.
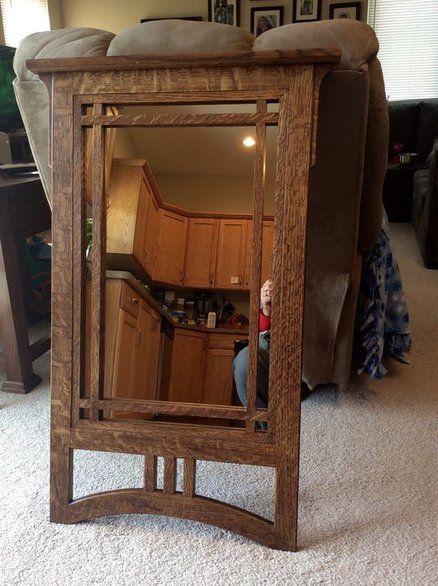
(346,183)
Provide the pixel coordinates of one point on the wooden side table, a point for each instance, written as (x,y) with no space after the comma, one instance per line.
(23,210)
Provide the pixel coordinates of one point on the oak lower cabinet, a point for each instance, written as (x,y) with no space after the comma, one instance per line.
(136,364)
(171,248)
(201,368)
(187,366)
(132,345)
(146,354)
(218,380)
(230,258)
(200,257)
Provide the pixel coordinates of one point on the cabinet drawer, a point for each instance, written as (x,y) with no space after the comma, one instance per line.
(225,341)
(130,300)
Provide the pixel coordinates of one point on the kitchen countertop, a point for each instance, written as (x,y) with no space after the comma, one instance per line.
(133,282)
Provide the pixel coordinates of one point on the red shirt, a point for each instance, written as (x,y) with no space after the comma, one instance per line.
(264,322)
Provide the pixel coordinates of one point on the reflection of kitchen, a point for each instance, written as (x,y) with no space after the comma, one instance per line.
(179,284)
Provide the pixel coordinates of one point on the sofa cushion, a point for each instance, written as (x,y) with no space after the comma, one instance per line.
(421,187)
(432,152)
(74,42)
(356,40)
(180,36)
(427,129)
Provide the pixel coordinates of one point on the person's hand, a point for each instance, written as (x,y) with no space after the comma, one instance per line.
(265,297)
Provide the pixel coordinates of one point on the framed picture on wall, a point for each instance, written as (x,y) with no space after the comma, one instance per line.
(350,10)
(224,11)
(306,10)
(265,18)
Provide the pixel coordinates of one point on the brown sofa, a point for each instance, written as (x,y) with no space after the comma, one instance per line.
(346,183)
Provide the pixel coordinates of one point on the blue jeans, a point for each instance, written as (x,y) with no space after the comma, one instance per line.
(240,370)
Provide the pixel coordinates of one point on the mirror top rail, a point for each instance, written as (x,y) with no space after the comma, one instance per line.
(185,60)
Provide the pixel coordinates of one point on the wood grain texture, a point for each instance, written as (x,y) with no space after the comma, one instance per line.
(250,77)
(189,477)
(181,441)
(98,277)
(295,135)
(202,509)
(61,472)
(79,315)
(169,477)
(150,473)
(176,408)
(256,263)
(186,60)
(200,254)
(183,120)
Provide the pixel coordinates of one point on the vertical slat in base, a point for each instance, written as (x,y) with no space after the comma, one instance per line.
(189,488)
(169,486)
(150,473)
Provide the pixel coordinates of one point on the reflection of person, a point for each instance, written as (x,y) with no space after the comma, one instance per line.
(240,365)
(264,23)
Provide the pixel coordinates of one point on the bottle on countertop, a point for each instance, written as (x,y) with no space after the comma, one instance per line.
(211,319)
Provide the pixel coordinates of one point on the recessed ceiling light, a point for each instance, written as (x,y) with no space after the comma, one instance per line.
(248,141)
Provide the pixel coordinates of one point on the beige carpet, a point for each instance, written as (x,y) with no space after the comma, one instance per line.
(368,495)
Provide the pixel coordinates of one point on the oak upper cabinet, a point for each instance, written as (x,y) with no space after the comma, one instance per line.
(188,362)
(200,257)
(151,231)
(267,246)
(132,217)
(230,258)
(171,248)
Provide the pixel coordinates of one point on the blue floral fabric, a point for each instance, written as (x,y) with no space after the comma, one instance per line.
(382,318)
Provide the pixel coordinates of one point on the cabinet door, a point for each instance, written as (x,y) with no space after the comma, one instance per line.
(200,252)
(146,354)
(140,374)
(151,231)
(267,244)
(187,368)
(230,254)
(124,233)
(171,248)
(140,222)
(125,352)
(218,388)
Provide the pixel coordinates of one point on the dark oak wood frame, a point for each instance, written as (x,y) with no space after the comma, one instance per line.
(77,420)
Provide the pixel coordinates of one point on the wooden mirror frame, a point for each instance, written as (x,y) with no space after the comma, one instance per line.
(293,79)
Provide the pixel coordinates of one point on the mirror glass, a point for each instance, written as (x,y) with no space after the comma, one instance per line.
(179,253)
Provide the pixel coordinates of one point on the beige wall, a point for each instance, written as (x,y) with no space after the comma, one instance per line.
(115,16)
(211,193)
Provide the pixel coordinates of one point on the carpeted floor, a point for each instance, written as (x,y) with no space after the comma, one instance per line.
(368,493)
